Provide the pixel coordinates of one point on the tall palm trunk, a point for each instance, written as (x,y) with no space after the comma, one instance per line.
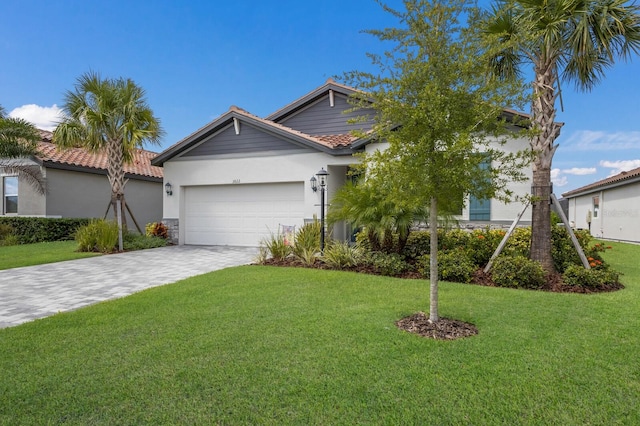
(544,114)
(115,172)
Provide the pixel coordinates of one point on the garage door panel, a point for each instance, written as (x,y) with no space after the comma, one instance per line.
(241,214)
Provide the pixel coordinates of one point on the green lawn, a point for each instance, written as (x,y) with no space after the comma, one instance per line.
(266,345)
(39,253)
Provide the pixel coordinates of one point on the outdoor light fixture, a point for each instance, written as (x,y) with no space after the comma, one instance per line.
(168,188)
(314,183)
(322,179)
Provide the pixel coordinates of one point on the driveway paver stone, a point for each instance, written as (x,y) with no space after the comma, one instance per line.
(38,291)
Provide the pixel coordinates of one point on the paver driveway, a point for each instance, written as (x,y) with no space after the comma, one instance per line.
(39,291)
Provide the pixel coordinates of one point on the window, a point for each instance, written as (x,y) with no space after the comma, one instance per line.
(10,198)
(480,208)
(596,206)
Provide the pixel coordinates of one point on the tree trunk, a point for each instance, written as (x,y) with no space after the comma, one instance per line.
(544,114)
(433,262)
(541,219)
(115,173)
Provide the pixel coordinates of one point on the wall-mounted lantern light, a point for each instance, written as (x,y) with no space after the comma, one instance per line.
(168,188)
(314,183)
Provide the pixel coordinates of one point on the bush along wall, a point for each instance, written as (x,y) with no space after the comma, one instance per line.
(39,229)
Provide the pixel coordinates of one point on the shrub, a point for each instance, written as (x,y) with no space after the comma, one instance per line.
(307,242)
(7,237)
(389,264)
(98,235)
(39,229)
(418,244)
(517,272)
(156,229)
(578,276)
(453,239)
(340,254)
(519,243)
(135,241)
(453,265)
(483,243)
(276,246)
(5,230)
(9,240)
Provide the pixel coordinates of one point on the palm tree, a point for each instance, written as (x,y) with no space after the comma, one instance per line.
(364,205)
(109,115)
(19,139)
(575,39)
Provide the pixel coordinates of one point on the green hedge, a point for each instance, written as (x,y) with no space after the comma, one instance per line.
(39,229)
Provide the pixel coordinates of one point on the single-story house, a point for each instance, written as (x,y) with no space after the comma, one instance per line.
(76,185)
(609,208)
(242,177)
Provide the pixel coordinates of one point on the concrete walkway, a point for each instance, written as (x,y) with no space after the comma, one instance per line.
(39,291)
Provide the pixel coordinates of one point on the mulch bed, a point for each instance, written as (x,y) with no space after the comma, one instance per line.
(445,328)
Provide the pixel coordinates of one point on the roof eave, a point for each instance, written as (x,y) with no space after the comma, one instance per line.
(597,188)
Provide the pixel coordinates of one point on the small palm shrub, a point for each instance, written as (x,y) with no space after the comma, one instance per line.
(98,235)
(453,265)
(307,242)
(340,254)
(593,278)
(276,246)
(389,264)
(518,272)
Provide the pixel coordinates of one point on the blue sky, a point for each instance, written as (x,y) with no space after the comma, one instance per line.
(197,58)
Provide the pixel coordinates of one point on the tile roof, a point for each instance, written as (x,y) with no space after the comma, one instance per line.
(80,157)
(619,178)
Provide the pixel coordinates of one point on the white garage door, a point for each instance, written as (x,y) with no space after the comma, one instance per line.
(240,215)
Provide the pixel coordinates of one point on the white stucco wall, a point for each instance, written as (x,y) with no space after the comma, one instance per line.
(619,213)
(183,173)
(500,212)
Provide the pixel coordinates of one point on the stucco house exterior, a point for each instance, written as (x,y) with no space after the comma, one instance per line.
(241,177)
(612,205)
(76,185)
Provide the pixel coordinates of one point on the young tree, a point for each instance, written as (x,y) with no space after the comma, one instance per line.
(19,139)
(442,117)
(109,115)
(578,39)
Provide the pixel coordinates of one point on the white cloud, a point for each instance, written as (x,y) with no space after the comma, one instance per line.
(620,165)
(557,178)
(580,171)
(590,140)
(45,118)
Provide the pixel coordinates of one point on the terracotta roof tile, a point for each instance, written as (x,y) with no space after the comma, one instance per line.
(336,141)
(620,177)
(81,157)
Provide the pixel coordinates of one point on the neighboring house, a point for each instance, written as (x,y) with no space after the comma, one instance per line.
(611,204)
(241,177)
(76,185)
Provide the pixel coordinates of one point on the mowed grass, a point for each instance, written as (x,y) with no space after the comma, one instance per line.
(266,345)
(39,253)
